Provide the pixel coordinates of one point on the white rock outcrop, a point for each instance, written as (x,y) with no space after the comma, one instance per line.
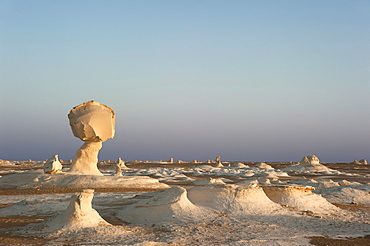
(53,165)
(170,205)
(119,166)
(79,214)
(363,161)
(308,163)
(93,123)
(300,198)
(235,199)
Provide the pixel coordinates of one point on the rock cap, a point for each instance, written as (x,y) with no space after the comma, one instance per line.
(92,121)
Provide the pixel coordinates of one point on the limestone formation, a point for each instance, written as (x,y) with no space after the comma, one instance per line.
(119,166)
(93,123)
(218,161)
(363,161)
(170,160)
(160,207)
(355,162)
(308,163)
(79,213)
(52,165)
(219,164)
(310,159)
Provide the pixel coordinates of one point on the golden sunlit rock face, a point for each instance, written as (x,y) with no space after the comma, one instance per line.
(92,121)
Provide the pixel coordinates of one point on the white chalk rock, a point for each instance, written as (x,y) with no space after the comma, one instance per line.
(355,162)
(119,166)
(363,161)
(53,165)
(208,181)
(79,214)
(170,205)
(239,165)
(310,159)
(301,198)
(234,199)
(263,165)
(308,163)
(85,161)
(92,121)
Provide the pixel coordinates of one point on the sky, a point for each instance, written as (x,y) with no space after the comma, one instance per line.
(244,80)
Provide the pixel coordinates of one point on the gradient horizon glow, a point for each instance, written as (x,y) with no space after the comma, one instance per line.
(246,80)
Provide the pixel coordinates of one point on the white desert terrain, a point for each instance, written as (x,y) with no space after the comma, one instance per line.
(164,203)
(86,202)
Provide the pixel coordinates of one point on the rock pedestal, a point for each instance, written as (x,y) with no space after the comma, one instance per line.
(93,123)
(86,159)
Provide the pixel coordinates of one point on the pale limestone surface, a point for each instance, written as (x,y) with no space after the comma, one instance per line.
(93,123)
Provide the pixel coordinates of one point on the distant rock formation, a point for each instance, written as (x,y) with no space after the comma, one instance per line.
(355,162)
(308,163)
(363,161)
(264,165)
(52,165)
(208,181)
(218,161)
(93,123)
(170,160)
(238,165)
(310,159)
(119,166)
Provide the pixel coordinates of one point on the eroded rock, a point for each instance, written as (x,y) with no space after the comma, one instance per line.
(52,165)
(93,123)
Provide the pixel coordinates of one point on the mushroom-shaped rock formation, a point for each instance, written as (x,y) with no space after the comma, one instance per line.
(52,165)
(170,205)
(93,123)
(79,214)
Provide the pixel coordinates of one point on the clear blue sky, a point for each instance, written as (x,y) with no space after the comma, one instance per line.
(246,80)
